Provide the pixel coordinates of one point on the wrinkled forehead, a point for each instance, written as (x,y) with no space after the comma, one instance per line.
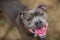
(33,11)
(39,10)
(29,12)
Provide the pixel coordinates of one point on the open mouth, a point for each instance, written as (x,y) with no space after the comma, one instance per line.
(39,31)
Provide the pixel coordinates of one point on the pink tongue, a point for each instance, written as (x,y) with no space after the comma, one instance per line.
(41,31)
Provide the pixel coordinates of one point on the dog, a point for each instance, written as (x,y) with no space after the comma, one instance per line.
(35,18)
(21,16)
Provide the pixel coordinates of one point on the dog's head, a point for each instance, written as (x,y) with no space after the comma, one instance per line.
(34,18)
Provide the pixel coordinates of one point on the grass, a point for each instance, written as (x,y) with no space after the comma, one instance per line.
(2,22)
(12,28)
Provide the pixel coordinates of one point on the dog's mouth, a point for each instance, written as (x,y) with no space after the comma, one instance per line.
(41,31)
(38,29)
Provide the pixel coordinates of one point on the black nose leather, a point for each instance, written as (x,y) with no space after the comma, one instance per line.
(38,22)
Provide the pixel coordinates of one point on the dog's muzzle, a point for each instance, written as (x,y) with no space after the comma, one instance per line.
(40,32)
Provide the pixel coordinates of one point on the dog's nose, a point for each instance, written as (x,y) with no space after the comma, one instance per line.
(38,23)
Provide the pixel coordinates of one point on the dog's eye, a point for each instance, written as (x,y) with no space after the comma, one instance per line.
(36,13)
(41,14)
(28,19)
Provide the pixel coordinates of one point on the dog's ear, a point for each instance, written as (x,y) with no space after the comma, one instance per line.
(44,7)
(22,14)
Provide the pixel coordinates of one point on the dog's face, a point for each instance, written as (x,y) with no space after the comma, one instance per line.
(34,18)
